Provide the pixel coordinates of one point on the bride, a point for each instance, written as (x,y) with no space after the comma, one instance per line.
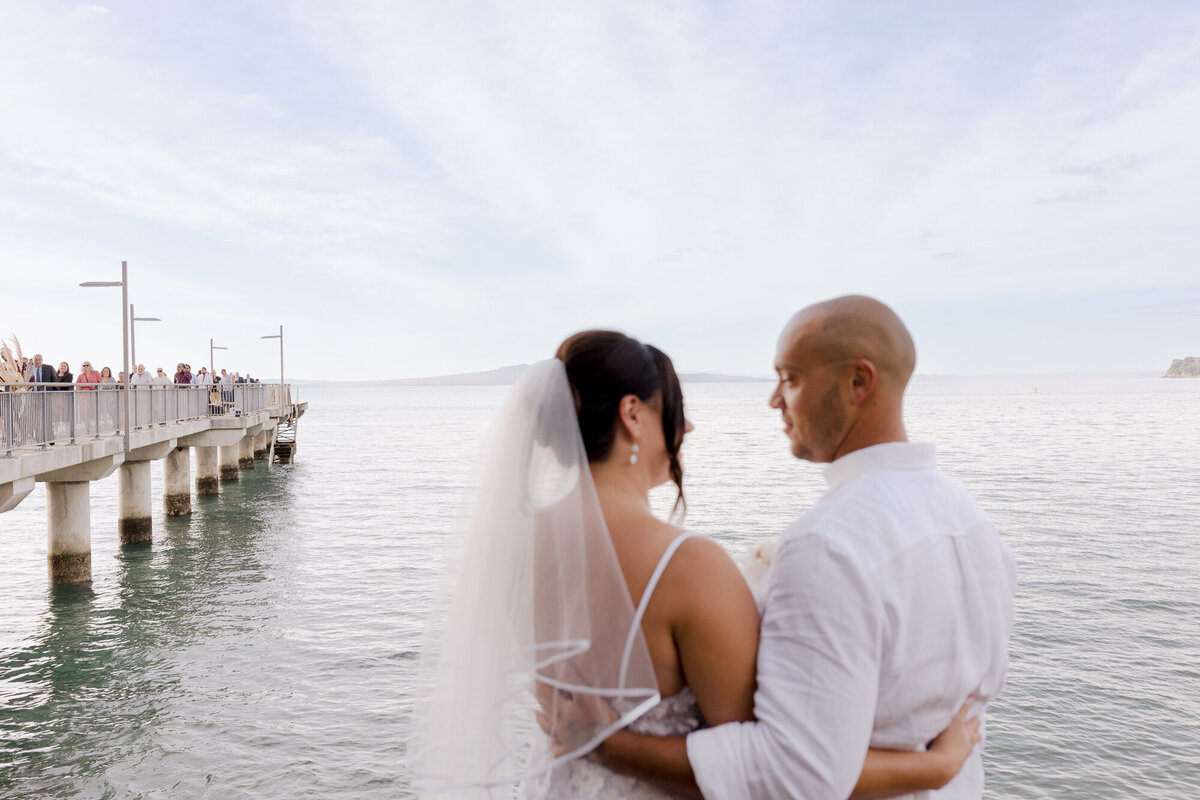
(568,589)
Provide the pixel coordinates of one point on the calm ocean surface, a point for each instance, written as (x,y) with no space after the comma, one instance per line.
(264,647)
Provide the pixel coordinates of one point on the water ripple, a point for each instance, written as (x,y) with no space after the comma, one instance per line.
(264,646)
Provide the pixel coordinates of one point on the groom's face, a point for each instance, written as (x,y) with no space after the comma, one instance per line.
(809,398)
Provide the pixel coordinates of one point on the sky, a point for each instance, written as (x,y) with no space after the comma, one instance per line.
(416,189)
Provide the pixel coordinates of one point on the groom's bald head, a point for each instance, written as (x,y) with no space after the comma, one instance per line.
(843,329)
(843,366)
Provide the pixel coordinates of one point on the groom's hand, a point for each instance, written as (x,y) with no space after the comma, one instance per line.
(571,718)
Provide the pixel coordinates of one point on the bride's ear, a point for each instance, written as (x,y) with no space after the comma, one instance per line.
(629,415)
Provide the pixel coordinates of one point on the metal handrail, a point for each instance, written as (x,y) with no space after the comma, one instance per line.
(44,414)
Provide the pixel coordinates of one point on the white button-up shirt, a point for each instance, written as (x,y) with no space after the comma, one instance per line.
(885,607)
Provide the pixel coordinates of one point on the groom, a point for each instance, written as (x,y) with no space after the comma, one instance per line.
(887,604)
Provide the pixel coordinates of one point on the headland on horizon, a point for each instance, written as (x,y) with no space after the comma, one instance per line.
(506,376)
(1184,368)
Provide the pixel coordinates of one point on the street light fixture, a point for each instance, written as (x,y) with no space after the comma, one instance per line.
(211,347)
(132,331)
(279,336)
(124,284)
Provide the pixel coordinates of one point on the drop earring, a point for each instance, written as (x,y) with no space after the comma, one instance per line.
(633,455)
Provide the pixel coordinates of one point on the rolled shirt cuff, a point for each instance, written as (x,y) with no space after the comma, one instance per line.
(716,758)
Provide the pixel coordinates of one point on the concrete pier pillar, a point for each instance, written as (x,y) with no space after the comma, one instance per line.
(206,471)
(229,462)
(69,532)
(133,502)
(260,446)
(246,453)
(177,482)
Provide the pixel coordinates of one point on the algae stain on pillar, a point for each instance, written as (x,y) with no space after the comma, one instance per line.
(133,502)
(260,446)
(69,532)
(207,483)
(177,480)
(246,452)
(229,462)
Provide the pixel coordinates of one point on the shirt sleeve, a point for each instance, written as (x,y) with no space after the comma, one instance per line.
(818,678)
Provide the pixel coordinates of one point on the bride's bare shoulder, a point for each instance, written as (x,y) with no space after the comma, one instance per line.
(699,565)
(699,561)
(651,537)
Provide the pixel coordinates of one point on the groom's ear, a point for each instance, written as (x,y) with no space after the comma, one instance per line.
(864,379)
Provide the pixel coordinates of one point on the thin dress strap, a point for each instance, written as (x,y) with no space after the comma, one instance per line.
(635,627)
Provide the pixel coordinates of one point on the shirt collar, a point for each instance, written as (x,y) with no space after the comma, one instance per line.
(891,455)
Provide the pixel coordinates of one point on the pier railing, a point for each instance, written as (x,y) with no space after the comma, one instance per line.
(40,414)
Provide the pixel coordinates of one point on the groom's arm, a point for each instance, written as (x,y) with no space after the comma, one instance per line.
(818,675)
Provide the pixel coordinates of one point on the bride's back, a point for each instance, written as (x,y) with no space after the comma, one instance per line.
(700,622)
(640,542)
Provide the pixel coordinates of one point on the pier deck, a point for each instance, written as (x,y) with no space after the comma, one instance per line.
(68,438)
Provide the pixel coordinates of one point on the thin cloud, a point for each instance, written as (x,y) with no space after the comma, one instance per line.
(464,177)
(1184,306)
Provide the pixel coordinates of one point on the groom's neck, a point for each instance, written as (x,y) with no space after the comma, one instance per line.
(881,424)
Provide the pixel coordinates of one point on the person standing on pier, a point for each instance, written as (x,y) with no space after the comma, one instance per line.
(42,373)
(141,376)
(88,377)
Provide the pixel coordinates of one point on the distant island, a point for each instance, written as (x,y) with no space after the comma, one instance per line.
(1184,368)
(506,376)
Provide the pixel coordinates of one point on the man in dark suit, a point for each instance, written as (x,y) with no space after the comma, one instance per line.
(42,373)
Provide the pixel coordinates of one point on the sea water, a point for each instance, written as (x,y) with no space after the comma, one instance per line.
(265,645)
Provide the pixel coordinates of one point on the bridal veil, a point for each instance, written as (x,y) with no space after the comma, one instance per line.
(533,595)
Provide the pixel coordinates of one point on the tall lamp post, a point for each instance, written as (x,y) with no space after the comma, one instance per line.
(124,284)
(211,368)
(279,336)
(132,337)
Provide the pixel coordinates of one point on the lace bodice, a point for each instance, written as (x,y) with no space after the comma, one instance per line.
(674,716)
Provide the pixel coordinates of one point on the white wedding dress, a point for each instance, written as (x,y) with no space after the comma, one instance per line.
(533,595)
(676,715)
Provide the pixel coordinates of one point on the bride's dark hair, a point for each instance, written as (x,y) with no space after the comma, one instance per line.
(603,367)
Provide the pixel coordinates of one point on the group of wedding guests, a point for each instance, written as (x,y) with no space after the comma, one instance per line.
(35,370)
(185,377)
